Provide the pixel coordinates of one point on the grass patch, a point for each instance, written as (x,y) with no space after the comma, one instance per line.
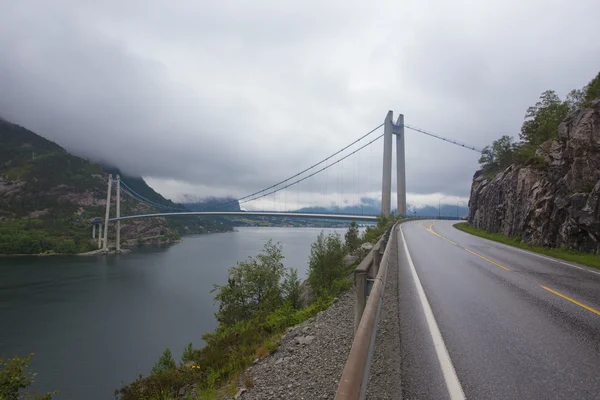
(580,257)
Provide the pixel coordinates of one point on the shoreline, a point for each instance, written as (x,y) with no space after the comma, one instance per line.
(125,248)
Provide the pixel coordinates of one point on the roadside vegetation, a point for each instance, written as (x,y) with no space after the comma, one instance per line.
(541,124)
(259,301)
(589,259)
(15,380)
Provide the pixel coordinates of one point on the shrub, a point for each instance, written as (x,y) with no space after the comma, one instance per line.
(591,91)
(14,378)
(248,381)
(188,354)
(373,233)
(291,288)
(325,262)
(165,363)
(352,240)
(252,286)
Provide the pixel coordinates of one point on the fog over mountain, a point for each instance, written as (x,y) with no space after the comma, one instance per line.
(206,99)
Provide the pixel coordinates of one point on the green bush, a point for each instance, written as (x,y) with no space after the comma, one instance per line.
(14,378)
(188,354)
(252,286)
(37,236)
(373,233)
(498,156)
(352,239)
(591,91)
(291,289)
(325,264)
(165,363)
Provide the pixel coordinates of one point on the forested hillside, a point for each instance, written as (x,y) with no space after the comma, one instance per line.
(48,197)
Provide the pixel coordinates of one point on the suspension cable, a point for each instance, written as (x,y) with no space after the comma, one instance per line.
(314,173)
(143,199)
(301,172)
(466,146)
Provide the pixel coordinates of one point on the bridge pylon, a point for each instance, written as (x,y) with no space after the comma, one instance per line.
(389,129)
(107,215)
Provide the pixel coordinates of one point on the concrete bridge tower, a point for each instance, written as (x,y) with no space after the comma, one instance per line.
(389,129)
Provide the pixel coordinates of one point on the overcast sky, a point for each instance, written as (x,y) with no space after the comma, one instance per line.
(224,98)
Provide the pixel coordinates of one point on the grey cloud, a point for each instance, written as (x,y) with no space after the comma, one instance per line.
(232,99)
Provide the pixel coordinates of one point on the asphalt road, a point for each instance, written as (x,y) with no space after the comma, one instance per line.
(512,325)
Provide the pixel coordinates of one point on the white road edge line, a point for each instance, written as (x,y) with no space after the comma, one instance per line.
(555,260)
(452,383)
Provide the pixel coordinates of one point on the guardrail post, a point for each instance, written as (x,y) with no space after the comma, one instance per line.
(376,260)
(360,287)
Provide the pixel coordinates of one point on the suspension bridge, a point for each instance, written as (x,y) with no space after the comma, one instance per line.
(321,169)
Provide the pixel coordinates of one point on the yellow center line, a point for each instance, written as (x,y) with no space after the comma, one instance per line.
(571,300)
(430,230)
(488,260)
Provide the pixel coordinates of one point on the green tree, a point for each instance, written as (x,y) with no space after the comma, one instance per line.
(574,99)
(253,285)
(14,378)
(542,119)
(325,262)
(188,354)
(372,233)
(165,363)
(351,238)
(498,156)
(591,91)
(291,289)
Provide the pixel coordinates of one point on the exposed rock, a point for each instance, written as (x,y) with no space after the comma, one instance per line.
(555,205)
(306,297)
(350,259)
(305,340)
(366,246)
(239,393)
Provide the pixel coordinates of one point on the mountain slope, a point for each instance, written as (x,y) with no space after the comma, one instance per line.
(48,197)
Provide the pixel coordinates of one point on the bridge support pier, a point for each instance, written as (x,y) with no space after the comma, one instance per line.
(390,129)
(118,213)
(107,215)
(99,235)
(400,166)
(386,181)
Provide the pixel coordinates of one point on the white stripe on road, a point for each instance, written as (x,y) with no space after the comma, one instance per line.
(452,383)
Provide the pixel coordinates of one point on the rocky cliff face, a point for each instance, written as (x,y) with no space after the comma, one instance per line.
(554,205)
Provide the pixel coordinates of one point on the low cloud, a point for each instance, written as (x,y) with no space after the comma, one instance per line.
(209,100)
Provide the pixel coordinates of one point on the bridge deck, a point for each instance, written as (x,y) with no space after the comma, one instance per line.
(339,217)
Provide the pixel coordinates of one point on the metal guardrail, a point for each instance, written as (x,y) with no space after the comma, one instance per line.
(353,384)
(364,274)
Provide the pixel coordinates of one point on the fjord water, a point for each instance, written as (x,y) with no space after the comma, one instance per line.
(95,322)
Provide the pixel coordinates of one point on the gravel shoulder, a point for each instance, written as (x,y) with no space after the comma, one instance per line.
(311,358)
(384,377)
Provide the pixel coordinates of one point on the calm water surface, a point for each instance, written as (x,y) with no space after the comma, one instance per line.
(95,322)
